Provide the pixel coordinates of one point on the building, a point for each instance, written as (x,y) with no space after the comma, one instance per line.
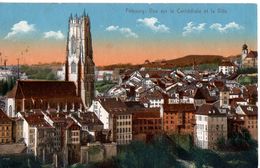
(248,59)
(61,73)
(38,135)
(224,97)
(5,128)
(227,67)
(33,94)
(178,118)
(210,126)
(123,123)
(147,122)
(248,116)
(80,67)
(104,75)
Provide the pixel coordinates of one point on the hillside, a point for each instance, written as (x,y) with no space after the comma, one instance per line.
(173,63)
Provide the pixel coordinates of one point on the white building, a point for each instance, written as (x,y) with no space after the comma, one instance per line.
(227,67)
(104,75)
(61,73)
(210,126)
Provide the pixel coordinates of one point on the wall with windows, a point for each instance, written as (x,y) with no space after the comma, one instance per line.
(124,128)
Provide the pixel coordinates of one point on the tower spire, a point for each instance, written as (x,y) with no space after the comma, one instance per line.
(84,13)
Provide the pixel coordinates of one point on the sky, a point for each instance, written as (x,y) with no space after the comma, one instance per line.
(126,33)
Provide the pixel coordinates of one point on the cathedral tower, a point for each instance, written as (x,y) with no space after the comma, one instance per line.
(79,59)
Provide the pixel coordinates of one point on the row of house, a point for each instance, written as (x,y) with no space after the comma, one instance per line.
(205,105)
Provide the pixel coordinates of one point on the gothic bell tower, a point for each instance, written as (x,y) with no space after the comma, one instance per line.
(79,59)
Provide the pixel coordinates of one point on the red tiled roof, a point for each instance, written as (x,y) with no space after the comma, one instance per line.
(250,110)
(88,118)
(252,54)
(113,105)
(179,108)
(44,89)
(36,120)
(235,91)
(227,63)
(4,117)
(208,109)
(147,113)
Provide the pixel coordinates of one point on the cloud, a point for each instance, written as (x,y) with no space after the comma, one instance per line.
(192,28)
(20,28)
(153,24)
(112,28)
(55,35)
(224,29)
(127,32)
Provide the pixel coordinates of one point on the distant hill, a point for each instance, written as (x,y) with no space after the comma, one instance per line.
(173,63)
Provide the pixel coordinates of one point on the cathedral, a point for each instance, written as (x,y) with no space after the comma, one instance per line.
(79,61)
(75,93)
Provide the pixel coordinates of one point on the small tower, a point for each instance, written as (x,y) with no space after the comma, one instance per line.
(224,97)
(244,52)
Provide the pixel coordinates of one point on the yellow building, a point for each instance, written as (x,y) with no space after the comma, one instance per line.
(5,128)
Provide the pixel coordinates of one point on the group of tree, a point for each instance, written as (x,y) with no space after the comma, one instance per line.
(170,152)
(6,85)
(38,72)
(247,70)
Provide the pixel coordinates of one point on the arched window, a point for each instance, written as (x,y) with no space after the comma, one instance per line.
(73,68)
(73,45)
(10,111)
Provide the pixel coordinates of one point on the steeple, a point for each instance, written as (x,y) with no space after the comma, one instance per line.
(84,13)
(80,65)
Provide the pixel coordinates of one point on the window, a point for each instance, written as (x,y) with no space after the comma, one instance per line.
(10,110)
(73,68)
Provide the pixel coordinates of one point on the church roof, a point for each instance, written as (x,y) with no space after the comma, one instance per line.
(43,89)
(4,117)
(252,54)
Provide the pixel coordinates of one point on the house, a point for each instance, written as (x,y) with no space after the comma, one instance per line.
(103,108)
(112,112)
(104,75)
(210,126)
(178,118)
(72,142)
(248,115)
(38,135)
(147,122)
(224,97)
(250,61)
(152,99)
(227,67)
(123,127)
(5,128)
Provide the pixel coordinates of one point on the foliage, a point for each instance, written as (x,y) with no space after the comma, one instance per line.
(158,153)
(247,70)
(183,140)
(21,161)
(238,141)
(94,149)
(170,151)
(37,72)
(103,86)
(7,85)
(247,80)
(211,66)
